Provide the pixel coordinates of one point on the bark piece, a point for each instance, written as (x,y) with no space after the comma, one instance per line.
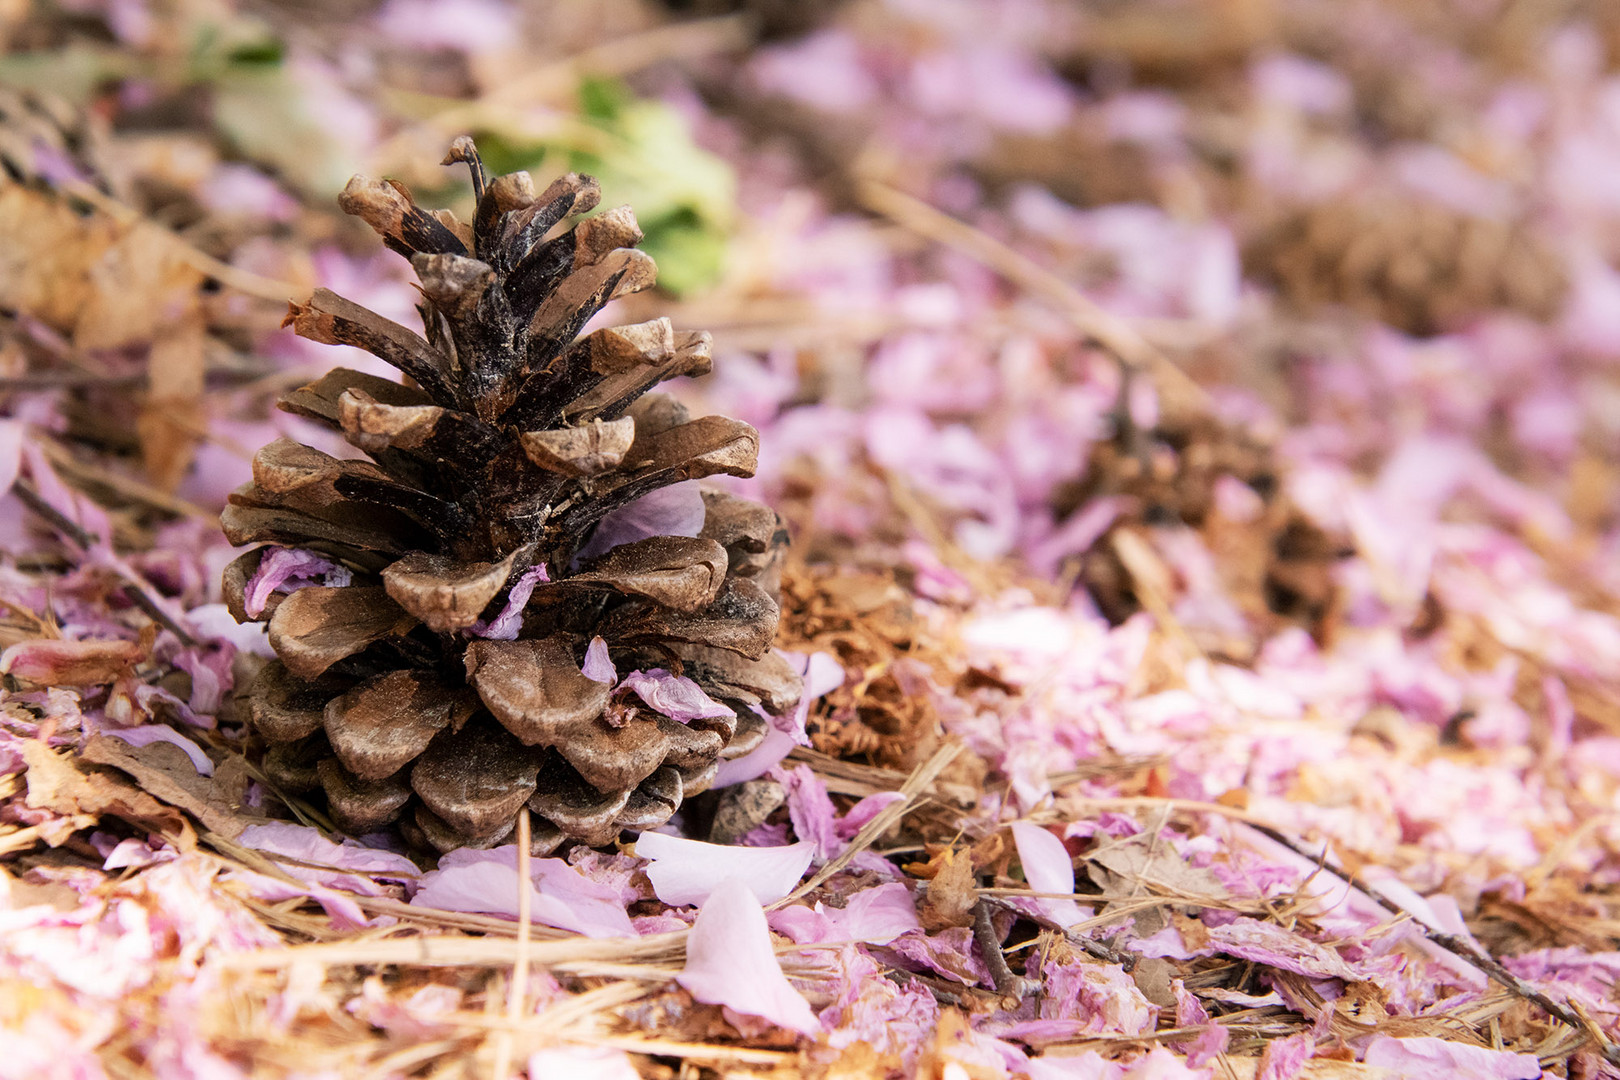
(654,801)
(453,283)
(319,400)
(617,758)
(372,425)
(292,766)
(443,836)
(742,619)
(563,797)
(362,806)
(285,708)
(743,808)
(586,450)
(750,732)
(404,226)
(330,319)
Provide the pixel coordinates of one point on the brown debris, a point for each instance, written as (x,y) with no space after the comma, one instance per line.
(1417,266)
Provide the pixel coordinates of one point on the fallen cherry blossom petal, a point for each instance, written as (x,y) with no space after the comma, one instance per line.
(578,1062)
(686,871)
(874,916)
(774,748)
(1429,1058)
(348,860)
(1048,869)
(1285,1058)
(598,665)
(505,626)
(286,570)
(487,882)
(146,734)
(730,961)
(676,510)
(675,696)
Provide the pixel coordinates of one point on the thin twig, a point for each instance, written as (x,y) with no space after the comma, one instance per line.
(57,520)
(1007,982)
(139,590)
(1098,323)
(1459,947)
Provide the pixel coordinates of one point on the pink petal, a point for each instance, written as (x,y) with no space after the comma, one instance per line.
(214,622)
(308,845)
(730,961)
(70,504)
(676,696)
(147,734)
(864,811)
(776,746)
(581,1063)
(676,510)
(1284,1059)
(1428,1058)
(1048,869)
(822,674)
(340,907)
(687,871)
(874,916)
(11,439)
(598,665)
(289,569)
(560,896)
(812,812)
(505,626)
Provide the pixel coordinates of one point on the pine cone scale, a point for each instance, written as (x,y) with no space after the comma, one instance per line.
(386,722)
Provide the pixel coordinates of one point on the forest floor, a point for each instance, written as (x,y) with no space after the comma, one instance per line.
(1197,421)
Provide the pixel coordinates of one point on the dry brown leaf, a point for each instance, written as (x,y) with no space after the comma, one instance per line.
(165,771)
(952,892)
(58,784)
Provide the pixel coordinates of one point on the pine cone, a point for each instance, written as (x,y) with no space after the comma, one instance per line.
(1416,266)
(1277,565)
(524,530)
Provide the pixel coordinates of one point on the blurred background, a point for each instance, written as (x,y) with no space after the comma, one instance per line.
(1283,282)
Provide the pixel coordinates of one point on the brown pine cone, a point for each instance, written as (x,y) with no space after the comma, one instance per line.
(1416,266)
(522,533)
(1277,564)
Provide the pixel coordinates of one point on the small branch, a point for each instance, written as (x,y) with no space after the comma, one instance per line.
(1459,947)
(140,592)
(1007,982)
(53,517)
